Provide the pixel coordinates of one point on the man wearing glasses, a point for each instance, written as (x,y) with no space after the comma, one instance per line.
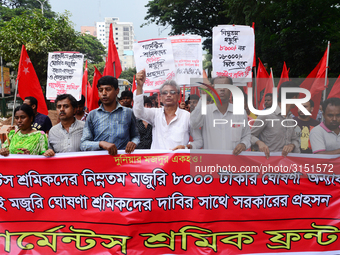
(170,125)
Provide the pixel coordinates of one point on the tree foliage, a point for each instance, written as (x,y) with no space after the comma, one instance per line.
(295,31)
(40,35)
(11,8)
(128,74)
(91,47)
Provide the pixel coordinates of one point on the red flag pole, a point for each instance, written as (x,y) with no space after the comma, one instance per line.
(326,73)
(114,69)
(271,71)
(255,85)
(85,96)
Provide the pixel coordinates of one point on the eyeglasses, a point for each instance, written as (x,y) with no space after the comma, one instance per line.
(172,92)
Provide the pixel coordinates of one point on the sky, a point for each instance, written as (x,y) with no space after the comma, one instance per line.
(88,12)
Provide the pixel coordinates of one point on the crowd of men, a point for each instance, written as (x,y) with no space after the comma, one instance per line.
(135,121)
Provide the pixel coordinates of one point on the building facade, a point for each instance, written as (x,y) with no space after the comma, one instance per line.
(123,35)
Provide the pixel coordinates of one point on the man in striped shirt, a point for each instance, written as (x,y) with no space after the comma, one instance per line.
(66,135)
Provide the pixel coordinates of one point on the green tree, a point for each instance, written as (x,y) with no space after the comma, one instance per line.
(207,64)
(128,74)
(295,31)
(12,8)
(91,47)
(40,35)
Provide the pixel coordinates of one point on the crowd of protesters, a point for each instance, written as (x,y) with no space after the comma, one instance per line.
(136,121)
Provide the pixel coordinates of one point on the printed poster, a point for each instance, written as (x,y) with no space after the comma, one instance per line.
(233,52)
(156,57)
(64,74)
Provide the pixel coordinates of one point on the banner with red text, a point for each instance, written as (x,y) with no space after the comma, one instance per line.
(169,203)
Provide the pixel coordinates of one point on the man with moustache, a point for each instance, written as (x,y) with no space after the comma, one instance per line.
(227,136)
(170,124)
(325,138)
(110,127)
(66,135)
(305,124)
(274,136)
(268,100)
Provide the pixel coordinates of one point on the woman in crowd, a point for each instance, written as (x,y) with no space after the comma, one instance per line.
(25,140)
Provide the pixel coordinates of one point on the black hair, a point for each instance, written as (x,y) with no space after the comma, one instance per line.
(330,101)
(287,84)
(194,97)
(126,93)
(73,101)
(81,101)
(33,101)
(311,102)
(108,80)
(269,95)
(147,100)
(26,109)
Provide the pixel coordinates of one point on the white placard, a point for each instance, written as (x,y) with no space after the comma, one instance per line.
(64,74)
(233,52)
(157,58)
(187,50)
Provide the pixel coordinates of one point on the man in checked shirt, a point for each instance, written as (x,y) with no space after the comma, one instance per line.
(110,127)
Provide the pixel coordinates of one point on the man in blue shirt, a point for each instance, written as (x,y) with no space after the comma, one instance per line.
(110,127)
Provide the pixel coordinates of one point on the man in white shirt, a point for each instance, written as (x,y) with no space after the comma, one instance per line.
(221,129)
(170,125)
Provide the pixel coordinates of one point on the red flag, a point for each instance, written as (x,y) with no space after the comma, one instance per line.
(319,83)
(254,61)
(29,84)
(269,89)
(84,81)
(335,92)
(315,83)
(112,65)
(261,79)
(284,75)
(134,87)
(93,104)
(89,91)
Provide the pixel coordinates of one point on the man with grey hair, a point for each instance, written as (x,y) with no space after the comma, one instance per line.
(170,125)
